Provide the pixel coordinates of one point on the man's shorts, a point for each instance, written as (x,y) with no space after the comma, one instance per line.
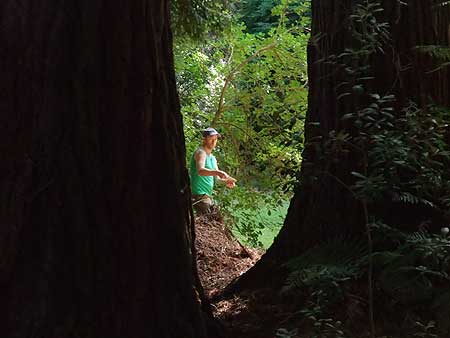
(202,204)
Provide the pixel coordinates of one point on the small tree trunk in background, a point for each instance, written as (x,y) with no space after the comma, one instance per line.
(326,209)
(94,237)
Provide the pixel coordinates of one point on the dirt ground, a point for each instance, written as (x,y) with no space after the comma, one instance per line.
(220,259)
(220,256)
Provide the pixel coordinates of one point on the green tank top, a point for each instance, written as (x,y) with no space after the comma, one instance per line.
(201,185)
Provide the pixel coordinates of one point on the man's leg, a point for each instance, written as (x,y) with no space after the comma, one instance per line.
(202,204)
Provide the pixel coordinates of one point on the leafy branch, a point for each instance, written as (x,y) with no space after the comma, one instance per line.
(232,75)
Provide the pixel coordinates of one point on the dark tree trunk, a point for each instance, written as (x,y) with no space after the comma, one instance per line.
(95,206)
(326,209)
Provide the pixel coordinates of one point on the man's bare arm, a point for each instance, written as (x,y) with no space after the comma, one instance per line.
(200,159)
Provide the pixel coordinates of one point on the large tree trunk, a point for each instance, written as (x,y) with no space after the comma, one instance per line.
(94,237)
(324,209)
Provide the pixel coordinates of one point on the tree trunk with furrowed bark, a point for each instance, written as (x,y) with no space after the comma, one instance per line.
(95,206)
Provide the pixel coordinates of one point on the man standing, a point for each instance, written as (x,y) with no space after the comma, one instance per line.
(203,168)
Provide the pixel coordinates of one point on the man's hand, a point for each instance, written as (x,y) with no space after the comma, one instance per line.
(230,182)
(224,177)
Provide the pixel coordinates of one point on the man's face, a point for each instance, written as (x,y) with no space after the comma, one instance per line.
(210,141)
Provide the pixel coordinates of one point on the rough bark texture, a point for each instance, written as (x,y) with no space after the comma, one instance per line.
(94,236)
(326,209)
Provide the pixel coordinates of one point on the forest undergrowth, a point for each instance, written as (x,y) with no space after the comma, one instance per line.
(325,293)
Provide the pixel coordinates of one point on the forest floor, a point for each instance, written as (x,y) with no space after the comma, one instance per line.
(221,258)
(266,313)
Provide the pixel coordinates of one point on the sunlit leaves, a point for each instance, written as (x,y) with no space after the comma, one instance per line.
(254,87)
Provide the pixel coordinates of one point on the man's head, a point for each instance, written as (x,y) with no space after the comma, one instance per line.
(210,132)
(210,136)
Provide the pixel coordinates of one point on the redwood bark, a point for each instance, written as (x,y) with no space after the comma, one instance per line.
(95,223)
(325,209)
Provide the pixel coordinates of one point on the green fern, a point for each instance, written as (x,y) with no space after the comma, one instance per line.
(406,197)
(338,251)
(411,272)
(328,264)
(318,276)
(409,198)
(418,237)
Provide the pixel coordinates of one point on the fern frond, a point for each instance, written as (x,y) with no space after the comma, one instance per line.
(320,277)
(405,197)
(418,236)
(409,198)
(330,263)
(335,252)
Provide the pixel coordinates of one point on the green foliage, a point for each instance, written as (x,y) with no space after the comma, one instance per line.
(325,273)
(258,14)
(398,155)
(367,30)
(198,83)
(253,88)
(408,155)
(325,270)
(417,269)
(195,19)
(414,273)
(257,216)
(265,105)
(345,252)
(402,155)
